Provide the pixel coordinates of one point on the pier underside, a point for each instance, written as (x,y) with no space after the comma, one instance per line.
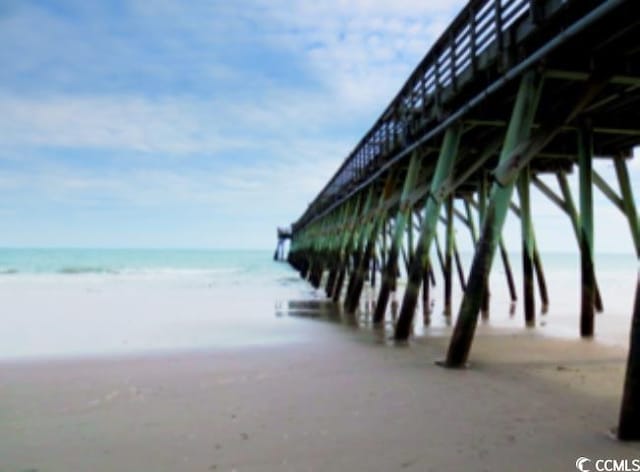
(513,93)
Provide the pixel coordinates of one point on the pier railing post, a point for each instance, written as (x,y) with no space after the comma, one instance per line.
(519,128)
(390,270)
(443,171)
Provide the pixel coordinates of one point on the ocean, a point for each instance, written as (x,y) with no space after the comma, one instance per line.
(93,302)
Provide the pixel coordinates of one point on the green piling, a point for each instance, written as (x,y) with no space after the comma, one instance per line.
(389,273)
(526,224)
(483,191)
(571,210)
(628,202)
(372,225)
(443,172)
(585,156)
(448,255)
(629,423)
(518,131)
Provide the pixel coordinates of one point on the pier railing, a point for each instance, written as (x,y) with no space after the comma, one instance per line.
(480,35)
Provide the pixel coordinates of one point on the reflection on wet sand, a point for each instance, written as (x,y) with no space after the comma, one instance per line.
(327,310)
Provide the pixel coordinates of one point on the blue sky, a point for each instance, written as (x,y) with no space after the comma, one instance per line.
(161,123)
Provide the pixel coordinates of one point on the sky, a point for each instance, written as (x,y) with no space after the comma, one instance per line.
(162,123)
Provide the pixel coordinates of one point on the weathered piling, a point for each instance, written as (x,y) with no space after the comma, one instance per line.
(352,210)
(442,172)
(460,269)
(567,204)
(629,423)
(628,202)
(483,195)
(523,186)
(585,156)
(518,131)
(469,203)
(390,272)
(448,254)
(426,288)
(371,228)
(363,243)
(508,273)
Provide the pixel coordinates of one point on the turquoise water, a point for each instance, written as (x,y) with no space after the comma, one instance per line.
(77,302)
(127,261)
(70,302)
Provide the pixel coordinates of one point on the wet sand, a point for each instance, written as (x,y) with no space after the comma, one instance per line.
(343,400)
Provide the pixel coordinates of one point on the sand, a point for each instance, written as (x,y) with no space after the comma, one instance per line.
(345,400)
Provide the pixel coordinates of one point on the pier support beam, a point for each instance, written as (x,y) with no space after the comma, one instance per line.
(363,248)
(527,247)
(570,208)
(483,194)
(344,250)
(504,255)
(628,203)
(370,234)
(426,289)
(516,153)
(390,272)
(629,424)
(585,156)
(508,273)
(537,262)
(518,131)
(443,171)
(448,255)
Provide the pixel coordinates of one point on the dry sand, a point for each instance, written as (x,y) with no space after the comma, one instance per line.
(345,401)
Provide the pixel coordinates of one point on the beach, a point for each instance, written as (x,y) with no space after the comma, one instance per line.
(279,379)
(338,402)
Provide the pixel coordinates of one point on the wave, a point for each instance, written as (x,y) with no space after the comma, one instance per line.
(9,271)
(75,270)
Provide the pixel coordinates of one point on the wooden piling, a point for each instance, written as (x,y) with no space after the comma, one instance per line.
(426,288)
(448,255)
(509,274)
(468,203)
(458,261)
(628,202)
(350,221)
(570,209)
(390,272)
(518,130)
(483,191)
(585,155)
(523,186)
(431,212)
(629,423)
(372,224)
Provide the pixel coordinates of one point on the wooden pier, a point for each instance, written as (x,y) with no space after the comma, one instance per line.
(513,90)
